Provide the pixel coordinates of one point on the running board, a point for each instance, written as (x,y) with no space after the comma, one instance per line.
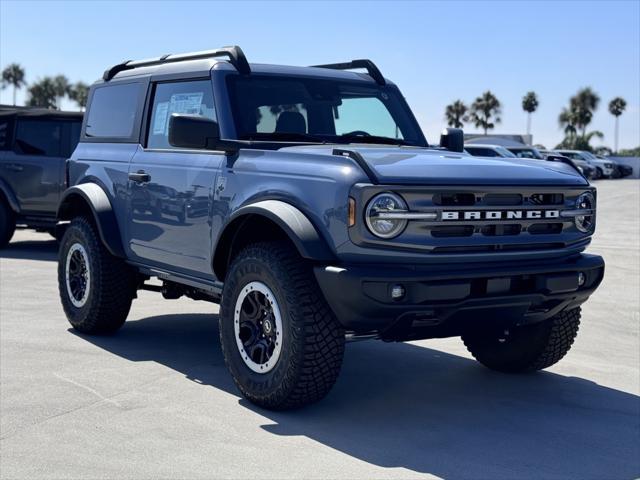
(212,288)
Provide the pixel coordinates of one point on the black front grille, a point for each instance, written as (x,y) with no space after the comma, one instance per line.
(476,219)
(501,230)
(545,228)
(450,231)
(497,199)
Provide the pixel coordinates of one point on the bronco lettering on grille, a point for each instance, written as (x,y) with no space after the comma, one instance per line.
(499,214)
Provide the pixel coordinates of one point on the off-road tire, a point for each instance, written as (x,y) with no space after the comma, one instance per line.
(112,282)
(312,341)
(526,348)
(7,223)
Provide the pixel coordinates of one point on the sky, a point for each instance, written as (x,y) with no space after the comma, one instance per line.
(436,52)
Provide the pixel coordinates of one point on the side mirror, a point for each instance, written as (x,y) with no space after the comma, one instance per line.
(193,131)
(452,139)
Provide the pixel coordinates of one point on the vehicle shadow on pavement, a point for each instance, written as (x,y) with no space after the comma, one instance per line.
(402,405)
(31,250)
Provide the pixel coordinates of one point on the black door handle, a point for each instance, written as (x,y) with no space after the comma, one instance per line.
(140,177)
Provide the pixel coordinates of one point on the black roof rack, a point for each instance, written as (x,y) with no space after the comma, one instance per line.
(235,54)
(371,68)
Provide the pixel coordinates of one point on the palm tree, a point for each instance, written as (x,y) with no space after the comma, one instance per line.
(583,104)
(79,93)
(567,121)
(456,113)
(62,86)
(616,107)
(483,108)
(529,105)
(43,93)
(13,75)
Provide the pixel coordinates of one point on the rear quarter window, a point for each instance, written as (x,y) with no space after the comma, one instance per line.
(113,111)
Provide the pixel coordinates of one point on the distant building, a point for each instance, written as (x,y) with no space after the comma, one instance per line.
(505,140)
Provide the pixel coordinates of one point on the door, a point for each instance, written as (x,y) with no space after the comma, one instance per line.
(171,189)
(35,166)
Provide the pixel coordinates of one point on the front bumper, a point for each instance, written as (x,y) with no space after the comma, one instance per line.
(441,301)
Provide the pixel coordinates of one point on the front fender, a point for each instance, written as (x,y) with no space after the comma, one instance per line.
(90,196)
(295,224)
(285,217)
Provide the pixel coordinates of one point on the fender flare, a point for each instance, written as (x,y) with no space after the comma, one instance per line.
(296,225)
(97,201)
(7,192)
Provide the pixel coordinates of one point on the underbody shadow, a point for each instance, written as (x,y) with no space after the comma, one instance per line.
(402,405)
(43,250)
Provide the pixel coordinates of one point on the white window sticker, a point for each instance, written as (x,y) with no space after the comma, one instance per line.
(186,103)
(160,120)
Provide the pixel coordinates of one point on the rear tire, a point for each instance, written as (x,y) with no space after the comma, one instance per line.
(7,224)
(96,288)
(526,348)
(304,365)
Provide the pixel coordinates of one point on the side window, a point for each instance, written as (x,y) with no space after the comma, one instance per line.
(5,133)
(366,114)
(38,137)
(483,152)
(195,97)
(112,112)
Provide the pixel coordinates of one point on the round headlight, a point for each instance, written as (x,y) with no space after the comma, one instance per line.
(585,223)
(378,220)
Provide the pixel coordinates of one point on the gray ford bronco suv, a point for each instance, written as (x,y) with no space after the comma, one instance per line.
(308,204)
(34,146)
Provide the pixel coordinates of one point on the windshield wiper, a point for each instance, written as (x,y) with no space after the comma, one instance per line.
(373,139)
(283,136)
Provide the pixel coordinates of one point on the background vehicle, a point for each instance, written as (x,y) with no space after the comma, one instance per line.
(488,151)
(328,215)
(587,170)
(604,168)
(621,170)
(526,151)
(34,145)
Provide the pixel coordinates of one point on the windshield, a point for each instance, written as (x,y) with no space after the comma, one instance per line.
(528,153)
(588,155)
(504,152)
(296,109)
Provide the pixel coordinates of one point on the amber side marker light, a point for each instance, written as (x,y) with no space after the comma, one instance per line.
(352,212)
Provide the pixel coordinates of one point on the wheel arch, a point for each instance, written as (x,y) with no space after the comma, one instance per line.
(268,220)
(91,200)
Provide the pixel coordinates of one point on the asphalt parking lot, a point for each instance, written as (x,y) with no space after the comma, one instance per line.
(155,400)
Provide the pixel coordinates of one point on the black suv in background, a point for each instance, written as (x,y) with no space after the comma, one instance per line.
(34,145)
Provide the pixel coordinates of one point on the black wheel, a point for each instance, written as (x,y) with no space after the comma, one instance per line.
(281,342)
(96,288)
(7,223)
(527,348)
(598,174)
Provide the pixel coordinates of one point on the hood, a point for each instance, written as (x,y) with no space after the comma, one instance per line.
(426,166)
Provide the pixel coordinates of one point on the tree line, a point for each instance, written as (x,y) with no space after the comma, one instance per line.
(47,92)
(574,119)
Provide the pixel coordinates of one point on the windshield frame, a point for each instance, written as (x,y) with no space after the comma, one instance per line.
(390,89)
